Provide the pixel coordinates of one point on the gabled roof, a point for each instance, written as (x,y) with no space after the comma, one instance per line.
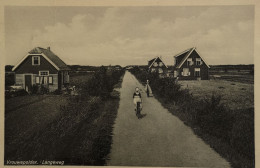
(184,52)
(49,56)
(150,62)
(186,55)
(153,60)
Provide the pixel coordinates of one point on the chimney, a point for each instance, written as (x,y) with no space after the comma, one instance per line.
(49,48)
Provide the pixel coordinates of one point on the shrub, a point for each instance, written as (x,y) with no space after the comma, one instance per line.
(242,133)
(43,89)
(214,118)
(102,82)
(57,92)
(35,89)
(99,84)
(9,79)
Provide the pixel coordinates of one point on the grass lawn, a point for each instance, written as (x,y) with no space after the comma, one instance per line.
(235,95)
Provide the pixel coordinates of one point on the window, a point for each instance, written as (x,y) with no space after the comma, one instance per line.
(50,80)
(186,72)
(160,70)
(198,61)
(197,72)
(43,73)
(160,64)
(36,60)
(155,64)
(153,70)
(189,62)
(175,74)
(37,80)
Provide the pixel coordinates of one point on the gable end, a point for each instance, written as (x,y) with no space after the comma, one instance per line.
(35,55)
(188,55)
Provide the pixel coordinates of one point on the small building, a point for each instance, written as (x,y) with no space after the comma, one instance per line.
(129,67)
(41,67)
(117,67)
(157,65)
(189,65)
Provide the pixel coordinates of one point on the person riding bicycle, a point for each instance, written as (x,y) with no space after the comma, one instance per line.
(137,98)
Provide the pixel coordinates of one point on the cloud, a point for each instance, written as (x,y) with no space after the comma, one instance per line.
(123,37)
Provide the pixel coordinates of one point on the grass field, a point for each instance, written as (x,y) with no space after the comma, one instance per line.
(235,95)
(239,98)
(233,76)
(26,115)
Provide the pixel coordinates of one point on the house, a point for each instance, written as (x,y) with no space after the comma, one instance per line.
(43,68)
(117,67)
(189,65)
(129,67)
(157,65)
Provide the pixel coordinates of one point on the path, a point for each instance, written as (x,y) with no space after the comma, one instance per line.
(158,139)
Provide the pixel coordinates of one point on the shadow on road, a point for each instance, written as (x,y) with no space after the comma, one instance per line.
(140,116)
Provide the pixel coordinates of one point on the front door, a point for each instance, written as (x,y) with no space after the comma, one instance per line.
(28,82)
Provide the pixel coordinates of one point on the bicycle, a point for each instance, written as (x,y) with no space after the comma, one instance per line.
(138,110)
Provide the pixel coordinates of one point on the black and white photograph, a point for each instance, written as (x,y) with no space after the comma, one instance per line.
(129,85)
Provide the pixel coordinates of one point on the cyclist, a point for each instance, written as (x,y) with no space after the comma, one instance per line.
(137,98)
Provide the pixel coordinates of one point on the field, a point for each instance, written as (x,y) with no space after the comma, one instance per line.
(233,76)
(74,129)
(26,115)
(235,95)
(238,97)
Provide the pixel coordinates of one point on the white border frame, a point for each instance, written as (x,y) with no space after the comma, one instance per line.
(134,3)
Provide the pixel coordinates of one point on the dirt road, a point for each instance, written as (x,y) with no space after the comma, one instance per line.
(158,139)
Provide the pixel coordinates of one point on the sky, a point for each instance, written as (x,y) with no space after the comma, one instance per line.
(131,35)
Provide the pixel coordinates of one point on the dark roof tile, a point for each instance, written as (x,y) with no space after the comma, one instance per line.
(53,57)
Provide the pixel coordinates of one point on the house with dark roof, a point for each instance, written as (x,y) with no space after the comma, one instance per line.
(43,68)
(189,65)
(157,65)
